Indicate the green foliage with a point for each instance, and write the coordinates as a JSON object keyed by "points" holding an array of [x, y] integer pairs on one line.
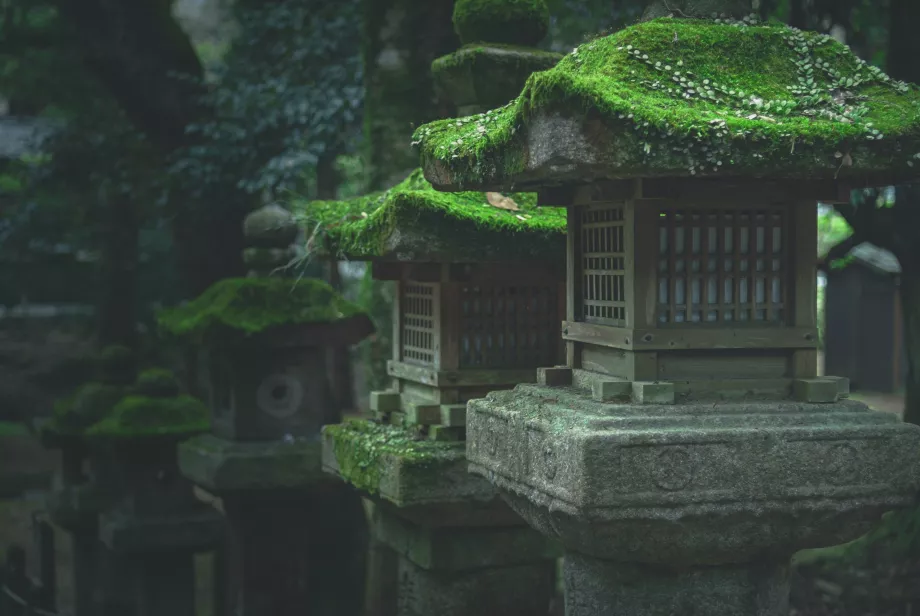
{"points": [[359, 228], [252, 305], [359, 446], [289, 92], [157, 383], [136, 415], [91, 403], [681, 96], [518, 22]]}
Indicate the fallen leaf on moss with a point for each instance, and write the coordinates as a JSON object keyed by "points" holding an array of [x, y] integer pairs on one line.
{"points": [[501, 201]]}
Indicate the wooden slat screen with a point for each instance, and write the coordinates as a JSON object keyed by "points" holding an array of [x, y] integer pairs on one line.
{"points": [[506, 326], [722, 265], [602, 262], [417, 340]]}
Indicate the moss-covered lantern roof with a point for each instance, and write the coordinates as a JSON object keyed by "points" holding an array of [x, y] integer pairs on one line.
{"points": [[688, 97], [235, 308], [414, 222]]}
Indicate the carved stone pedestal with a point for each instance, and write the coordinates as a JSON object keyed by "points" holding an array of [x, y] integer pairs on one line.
{"points": [[690, 508]]}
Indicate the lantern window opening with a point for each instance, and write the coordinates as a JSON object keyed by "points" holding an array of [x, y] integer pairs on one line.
{"points": [[603, 265], [508, 326], [417, 339], [721, 265]]}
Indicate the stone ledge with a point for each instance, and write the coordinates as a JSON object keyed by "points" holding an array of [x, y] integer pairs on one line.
{"points": [[192, 531], [219, 465], [394, 465]]}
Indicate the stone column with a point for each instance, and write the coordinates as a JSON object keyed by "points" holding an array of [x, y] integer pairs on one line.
{"points": [[298, 539]]}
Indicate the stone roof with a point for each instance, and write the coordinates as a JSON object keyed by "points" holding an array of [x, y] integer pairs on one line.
{"points": [[414, 222], [688, 97]]}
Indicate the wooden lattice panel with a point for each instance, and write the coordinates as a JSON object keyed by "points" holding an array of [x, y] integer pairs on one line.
{"points": [[723, 265], [417, 317], [509, 326], [603, 258]]}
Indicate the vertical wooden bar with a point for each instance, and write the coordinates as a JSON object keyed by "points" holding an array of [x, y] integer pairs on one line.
{"points": [[803, 263], [672, 266], [573, 281], [768, 264], [736, 263], [436, 324], [451, 321], [558, 317], [642, 247], [705, 307]]}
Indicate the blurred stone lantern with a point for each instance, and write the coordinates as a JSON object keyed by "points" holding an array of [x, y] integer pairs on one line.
{"points": [[298, 539], [135, 523], [687, 448]]}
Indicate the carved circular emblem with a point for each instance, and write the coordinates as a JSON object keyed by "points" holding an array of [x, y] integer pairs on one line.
{"points": [[550, 463], [279, 395], [673, 470], [842, 467]]}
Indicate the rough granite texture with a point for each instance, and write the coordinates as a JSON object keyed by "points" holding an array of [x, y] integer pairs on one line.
{"points": [[687, 97], [699, 484]]}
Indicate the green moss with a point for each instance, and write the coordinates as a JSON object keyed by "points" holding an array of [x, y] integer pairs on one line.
{"points": [[361, 445], [157, 383], [897, 534], [252, 305], [146, 416], [459, 223], [91, 403], [520, 22], [697, 97]]}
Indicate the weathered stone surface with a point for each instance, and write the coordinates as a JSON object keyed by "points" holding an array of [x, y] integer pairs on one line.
{"points": [[271, 226], [522, 590], [605, 391], [462, 548], [701, 484], [554, 377], [190, 532], [453, 415], [384, 401], [815, 390], [75, 507], [420, 414], [219, 465], [653, 393], [596, 587]]}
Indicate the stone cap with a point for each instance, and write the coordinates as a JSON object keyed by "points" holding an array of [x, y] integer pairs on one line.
{"points": [[692, 483], [514, 22], [414, 222], [237, 310], [269, 234], [689, 98]]}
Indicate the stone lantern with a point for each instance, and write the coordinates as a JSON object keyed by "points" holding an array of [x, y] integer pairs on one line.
{"points": [[135, 522], [687, 448], [478, 287], [297, 538]]}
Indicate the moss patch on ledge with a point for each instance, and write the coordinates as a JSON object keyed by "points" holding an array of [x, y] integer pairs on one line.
{"points": [[413, 214], [361, 445], [687, 97], [251, 305]]}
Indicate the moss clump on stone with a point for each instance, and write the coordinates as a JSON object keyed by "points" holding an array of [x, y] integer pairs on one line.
{"points": [[360, 447], [519, 22], [461, 224], [88, 405], [246, 306], [687, 97], [157, 383], [135, 416]]}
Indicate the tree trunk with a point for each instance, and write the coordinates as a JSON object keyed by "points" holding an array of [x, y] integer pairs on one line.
{"points": [[117, 312]]}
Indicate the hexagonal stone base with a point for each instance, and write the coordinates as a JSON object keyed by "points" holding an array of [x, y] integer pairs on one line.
{"points": [[219, 465], [692, 483]]}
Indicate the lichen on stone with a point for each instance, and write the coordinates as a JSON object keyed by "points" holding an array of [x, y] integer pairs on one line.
{"points": [[520, 22], [458, 224], [246, 306], [692, 97], [361, 445]]}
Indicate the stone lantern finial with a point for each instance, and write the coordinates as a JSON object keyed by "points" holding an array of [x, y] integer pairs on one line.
{"points": [[269, 234], [498, 53]]}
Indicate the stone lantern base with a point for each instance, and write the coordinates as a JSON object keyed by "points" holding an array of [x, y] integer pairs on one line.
{"points": [[460, 549], [692, 508]]}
